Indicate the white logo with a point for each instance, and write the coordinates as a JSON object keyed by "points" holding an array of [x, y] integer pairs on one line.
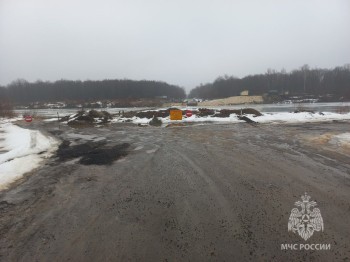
{"points": [[307, 220]]}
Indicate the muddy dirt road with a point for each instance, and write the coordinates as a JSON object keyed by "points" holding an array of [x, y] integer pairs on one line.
{"points": [[182, 193]]}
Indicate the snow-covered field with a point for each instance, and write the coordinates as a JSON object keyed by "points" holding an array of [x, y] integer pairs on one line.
{"points": [[21, 150]]}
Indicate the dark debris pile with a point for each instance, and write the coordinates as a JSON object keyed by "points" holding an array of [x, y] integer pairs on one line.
{"points": [[201, 112], [84, 118]]}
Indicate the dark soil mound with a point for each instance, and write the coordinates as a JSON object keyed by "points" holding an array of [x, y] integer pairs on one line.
{"points": [[83, 118], [155, 122], [304, 110], [100, 114], [86, 118], [129, 114], [251, 111], [160, 113], [245, 111], [95, 114], [247, 119], [64, 119], [227, 112], [201, 112], [205, 112]]}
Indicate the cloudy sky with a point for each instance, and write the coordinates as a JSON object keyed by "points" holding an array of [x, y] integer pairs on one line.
{"points": [[183, 42]]}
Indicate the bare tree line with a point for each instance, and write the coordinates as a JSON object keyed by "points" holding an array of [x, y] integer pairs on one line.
{"points": [[301, 81], [21, 91]]}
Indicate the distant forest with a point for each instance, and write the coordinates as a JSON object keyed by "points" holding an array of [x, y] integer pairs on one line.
{"points": [[302, 81], [21, 91]]}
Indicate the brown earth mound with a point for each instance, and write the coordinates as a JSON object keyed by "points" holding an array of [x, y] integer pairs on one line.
{"points": [[205, 112], [155, 122], [100, 114], [83, 118]]}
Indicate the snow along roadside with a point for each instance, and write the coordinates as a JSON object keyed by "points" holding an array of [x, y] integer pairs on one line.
{"points": [[21, 150], [278, 117]]}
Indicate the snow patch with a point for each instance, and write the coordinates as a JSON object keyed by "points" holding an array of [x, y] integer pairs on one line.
{"points": [[281, 117], [301, 117], [194, 118], [22, 150], [343, 139]]}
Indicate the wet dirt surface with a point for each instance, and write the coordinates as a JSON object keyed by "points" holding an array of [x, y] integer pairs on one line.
{"points": [[212, 192], [92, 153]]}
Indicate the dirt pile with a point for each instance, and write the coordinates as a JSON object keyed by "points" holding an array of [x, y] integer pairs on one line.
{"points": [[245, 111], [159, 113], [100, 114], [226, 113], [251, 111], [64, 118], [83, 118], [129, 114], [204, 112], [304, 111], [247, 119], [201, 112], [155, 122]]}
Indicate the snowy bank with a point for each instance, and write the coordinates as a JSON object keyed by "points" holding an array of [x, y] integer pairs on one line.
{"points": [[21, 150], [301, 117], [200, 115], [281, 117]]}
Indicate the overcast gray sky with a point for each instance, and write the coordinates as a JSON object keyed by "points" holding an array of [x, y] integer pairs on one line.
{"points": [[183, 42]]}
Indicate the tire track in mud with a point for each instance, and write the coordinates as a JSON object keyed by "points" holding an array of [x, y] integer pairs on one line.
{"points": [[239, 174], [239, 207], [223, 181], [216, 192], [201, 213]]}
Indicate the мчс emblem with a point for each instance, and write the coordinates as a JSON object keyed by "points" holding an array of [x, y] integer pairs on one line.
{"points": [[307, 220]]}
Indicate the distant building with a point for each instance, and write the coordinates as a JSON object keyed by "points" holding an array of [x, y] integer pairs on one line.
{"points": [[245, 93]]}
